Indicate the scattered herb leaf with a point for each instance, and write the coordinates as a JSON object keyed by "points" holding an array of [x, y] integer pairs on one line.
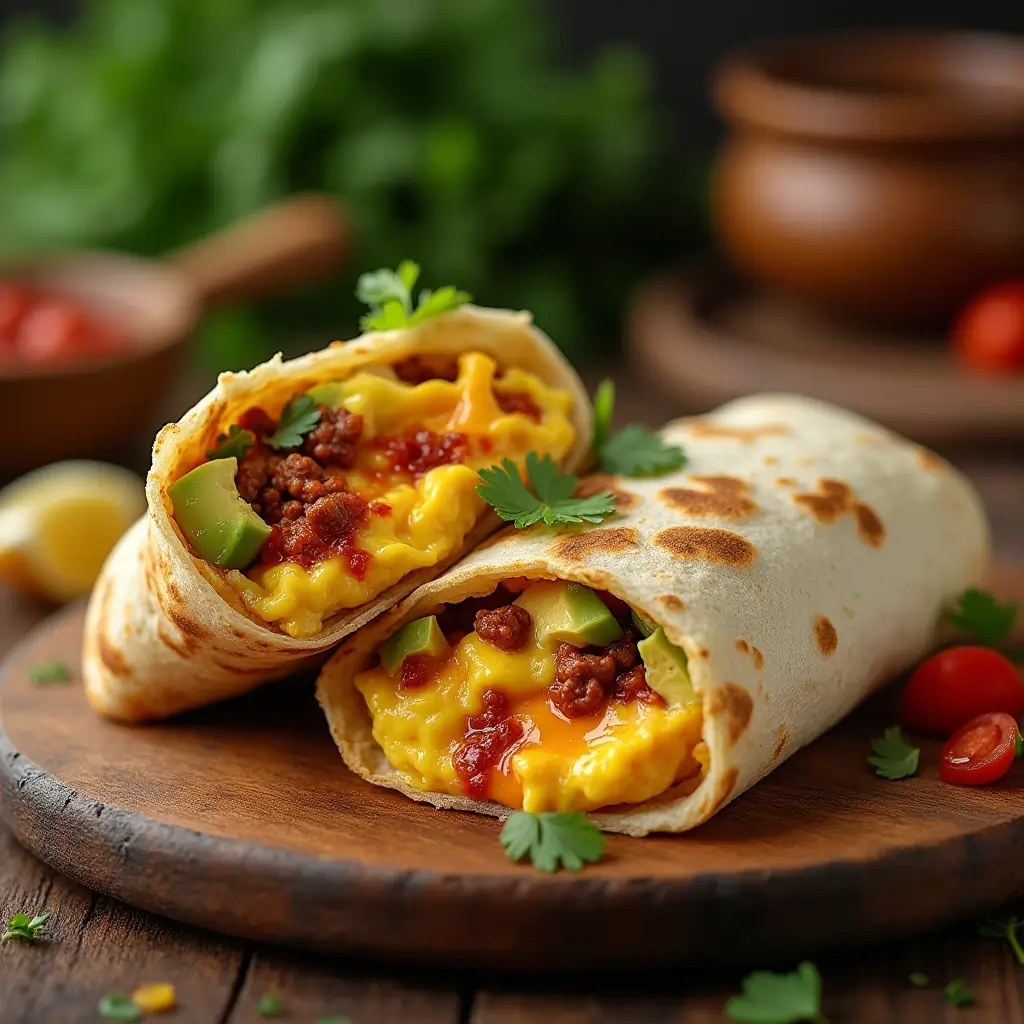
{"points": [[635, 451], [388, 293], [552, 839], [24, 928], [270, 1006], [981, 615], [114, 1007], [232, 445], [958, 994], [919, 980], [49, 672], [298, 418], [551, 500], [1005, 928], [770, 998], [604, 409], [894, 758]]}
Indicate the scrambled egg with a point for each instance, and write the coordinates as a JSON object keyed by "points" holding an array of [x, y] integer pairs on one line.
{"points": [[627, 754], [429, 518]]}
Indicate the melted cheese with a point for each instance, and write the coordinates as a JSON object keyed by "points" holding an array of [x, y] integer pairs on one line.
{"points": [[627, 754], [429, 519]]}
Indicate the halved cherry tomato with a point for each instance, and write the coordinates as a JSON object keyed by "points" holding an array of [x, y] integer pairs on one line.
{"points": [[989, 332], [981, 751], [958, 684]]}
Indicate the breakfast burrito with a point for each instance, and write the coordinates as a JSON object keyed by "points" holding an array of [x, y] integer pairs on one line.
{"points": [[297, 501], [651, 668]]}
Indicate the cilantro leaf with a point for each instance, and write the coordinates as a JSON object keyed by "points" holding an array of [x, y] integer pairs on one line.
{"points": [[635, 451], [770, 998], [919, 979], [604, 409], [894, 758], [232, 445], [979, 614], [958, 994], [298, 418], [1005, 928], [388, 293], [270, 1006], [48, 672], [115, 1007], [24, 928], [551, 499], [551, 839]]}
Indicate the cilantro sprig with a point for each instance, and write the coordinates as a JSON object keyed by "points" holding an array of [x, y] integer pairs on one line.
{"points": [[770, 998], [979, 614], [958, 994], [25, 928], [552, 839], [298, 418], [270, 1006], [919, 979], [46, 673], [232, 445], [1005, 928], [388, 293], [550, 500], [894, 758], [634, 450], [118, 1007]]}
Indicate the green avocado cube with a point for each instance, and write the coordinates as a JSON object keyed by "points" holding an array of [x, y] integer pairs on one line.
{"points": [[569, 613], [219, 525], [421, 636], [666, 669]]}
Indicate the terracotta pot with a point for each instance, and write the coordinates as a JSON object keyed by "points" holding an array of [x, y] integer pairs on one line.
{"points": [[879, 177]]}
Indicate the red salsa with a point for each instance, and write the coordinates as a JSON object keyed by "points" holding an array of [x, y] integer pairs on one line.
{"points": [[490, 737]]}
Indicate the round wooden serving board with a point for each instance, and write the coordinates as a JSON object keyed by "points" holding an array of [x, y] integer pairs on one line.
{"points": [[242, 819]]}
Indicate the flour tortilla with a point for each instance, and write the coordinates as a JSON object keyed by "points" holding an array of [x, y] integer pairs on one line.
{"points": [[164, 631], [791, 609]]}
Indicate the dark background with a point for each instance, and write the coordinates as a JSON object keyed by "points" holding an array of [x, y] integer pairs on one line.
{"points": [[684, 38]]}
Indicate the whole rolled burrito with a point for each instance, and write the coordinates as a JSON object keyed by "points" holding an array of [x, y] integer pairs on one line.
{"points": [[359, 509], [802, 557]]}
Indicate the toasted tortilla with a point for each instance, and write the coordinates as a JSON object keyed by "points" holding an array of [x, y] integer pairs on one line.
{"points": [[165, 632], [801, 558]]}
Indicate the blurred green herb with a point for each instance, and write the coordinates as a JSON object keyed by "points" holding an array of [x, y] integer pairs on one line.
{"points": [[980, 615], [388, 293], [447, 128], [48, 672], [115, 1007], [270, 1006], [894, 757], [22, 927], [1005, 928], [959, 995], [919, 979]]}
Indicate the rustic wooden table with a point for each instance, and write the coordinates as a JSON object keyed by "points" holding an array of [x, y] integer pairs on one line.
{"points": [[94, 945]]}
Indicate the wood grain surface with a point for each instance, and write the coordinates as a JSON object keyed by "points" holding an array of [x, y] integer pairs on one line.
{"points": [[243, 819]]}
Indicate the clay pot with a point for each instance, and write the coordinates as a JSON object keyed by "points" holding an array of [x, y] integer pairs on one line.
{"points": [[881, 178]]}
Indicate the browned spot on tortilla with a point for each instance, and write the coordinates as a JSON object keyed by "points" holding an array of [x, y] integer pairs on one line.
{"points": [[591, 485], [742, 646], [725, 787], [575, 547], [721, 547], [735, 707], [834, 499], [661, 575], [186, 624], [672, 602], [804, 461], [932, 462], [238, 633], [758, 658], [745, 435], [228, 667], [703, 652], [111, 657], [723, 496], [770, 460], [870, 528], [781, 742], [785, 481], [825, 636], [169, 641]]}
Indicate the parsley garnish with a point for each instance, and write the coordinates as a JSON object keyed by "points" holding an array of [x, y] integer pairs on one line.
{"points": [[333, 1020], [47, 672], [894, 758], [23, 927], [270, 1006], [388, 293], [770, 998], [919, 980], [298, 418], [114, 1007], [979, 614], [634, 450], [551, 500], [1005, 928], [552, 838], [958, 994], [232, 445]]}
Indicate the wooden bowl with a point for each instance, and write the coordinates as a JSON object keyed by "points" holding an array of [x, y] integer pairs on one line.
{"points": [[880, 178], [89, 408]]}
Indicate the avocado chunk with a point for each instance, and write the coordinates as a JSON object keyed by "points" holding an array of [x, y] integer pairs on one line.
{"points": [[569, 613], [666, 669], [646, 628], [221, 527], [421, 636]]}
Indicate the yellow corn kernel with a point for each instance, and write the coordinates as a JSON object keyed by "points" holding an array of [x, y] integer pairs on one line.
{"points": [[157, 998]]}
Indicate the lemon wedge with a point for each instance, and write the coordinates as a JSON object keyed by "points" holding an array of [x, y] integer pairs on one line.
{"points": [[59, 523]]}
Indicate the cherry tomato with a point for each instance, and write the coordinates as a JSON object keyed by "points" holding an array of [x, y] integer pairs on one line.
{"points": [[981, 751], [989, 333], [53, 329], [958, 684], [15, 300]]}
